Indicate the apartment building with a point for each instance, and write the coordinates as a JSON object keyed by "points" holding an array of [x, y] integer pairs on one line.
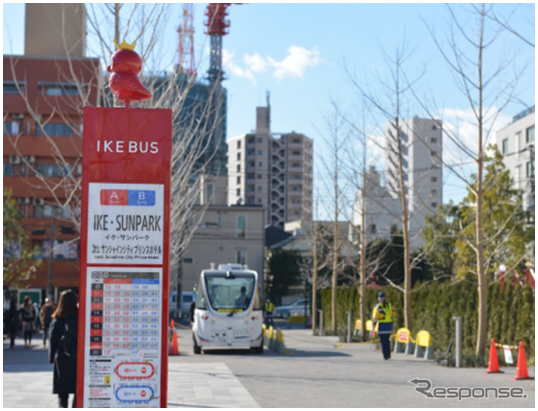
{"points": [[272, 170], [422, 149], [43, 98], [226, 234], [516, 144]]}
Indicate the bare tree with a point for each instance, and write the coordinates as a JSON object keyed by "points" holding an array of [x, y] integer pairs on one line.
{"points": [[391, 102], [488, 88], [194, 120]]}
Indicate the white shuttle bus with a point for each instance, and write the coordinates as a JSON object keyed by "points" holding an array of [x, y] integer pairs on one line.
{"points": [[228, 312]]}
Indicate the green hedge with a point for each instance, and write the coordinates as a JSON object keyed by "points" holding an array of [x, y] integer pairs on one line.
{"points": [[510, 312]]}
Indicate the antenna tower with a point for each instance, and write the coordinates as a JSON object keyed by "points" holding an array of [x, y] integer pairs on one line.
{"points": [[186, 40]]}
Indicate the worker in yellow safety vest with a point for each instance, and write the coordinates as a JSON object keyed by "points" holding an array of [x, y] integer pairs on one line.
{"points": [[269, 309], [382, 317]]}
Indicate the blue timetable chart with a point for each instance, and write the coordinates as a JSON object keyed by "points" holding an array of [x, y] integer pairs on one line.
{"points": [[123, 333]]}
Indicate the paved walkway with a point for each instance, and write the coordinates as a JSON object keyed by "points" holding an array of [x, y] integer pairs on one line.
{"points": [[27, 382], [319, 373]]}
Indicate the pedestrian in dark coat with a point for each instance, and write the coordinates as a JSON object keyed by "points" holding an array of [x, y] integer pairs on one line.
{"points": [[45, 315], [62, 338], [28, 315], [12, 322]]}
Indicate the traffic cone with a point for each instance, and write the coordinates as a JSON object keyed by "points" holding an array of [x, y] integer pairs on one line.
{"points": [[521, 372], [172, 324], [174, 349], [493, 364]]}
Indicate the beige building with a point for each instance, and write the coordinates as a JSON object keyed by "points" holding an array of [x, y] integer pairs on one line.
{"points": [[516, 144], [55, 29], [272, 170], [226, 234]]}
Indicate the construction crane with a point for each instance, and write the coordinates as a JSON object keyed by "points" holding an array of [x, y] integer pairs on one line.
{"points": [[217, 26], [186, 40]]}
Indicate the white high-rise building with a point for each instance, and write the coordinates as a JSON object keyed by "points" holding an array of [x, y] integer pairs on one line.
{"points": [[273, 170], [516, 144], [422, 148]]}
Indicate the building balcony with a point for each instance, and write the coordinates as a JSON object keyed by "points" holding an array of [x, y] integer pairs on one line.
{"points": [[40, 146]]}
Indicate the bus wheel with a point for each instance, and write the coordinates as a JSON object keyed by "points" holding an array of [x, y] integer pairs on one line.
{"points": [[195, 347], [258, 350]]}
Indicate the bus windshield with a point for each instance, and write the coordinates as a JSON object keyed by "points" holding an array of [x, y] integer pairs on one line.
{"points": [[230, 293]]}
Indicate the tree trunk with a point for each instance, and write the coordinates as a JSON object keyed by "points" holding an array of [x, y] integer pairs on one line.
{"points": [[314, 279], [482, 285], [335, 256], [405, 229], [362, 239]]}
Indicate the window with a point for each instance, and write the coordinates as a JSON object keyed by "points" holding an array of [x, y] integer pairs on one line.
{"points": [[295, 201], [9, 170], [259, 188], [188, 260], [10, 87], [530, 169], [54, 129], [241, 226], [296, 188], [250, 140], [251, 152], [238, 180], [239, 168], [296, 140], [433, 140], [250, 200], [259, 152], [241, 257], [434, 153], [238, 192], [250, 176], [258, 176], [296, 165], [238, 156], [295, 176], [58, 89], [239, 144], [434, 192], [259, 200], [50, 210], [434, 179], [434, 127], [530, 134], [250, 164], [53, 170], [11, 128], [505, 146], [296, 153], [434, 205], [259, 164], [518, 176], [20, 170], [519, 140]]}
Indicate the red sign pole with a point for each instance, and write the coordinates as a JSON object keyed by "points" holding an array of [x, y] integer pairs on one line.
{"points": [[125, 253]]}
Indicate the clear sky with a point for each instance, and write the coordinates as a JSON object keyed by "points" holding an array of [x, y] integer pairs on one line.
{"points": [[297, 53]]}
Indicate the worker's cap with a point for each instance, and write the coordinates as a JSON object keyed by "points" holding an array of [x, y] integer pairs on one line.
{"points": [[381, 295]]}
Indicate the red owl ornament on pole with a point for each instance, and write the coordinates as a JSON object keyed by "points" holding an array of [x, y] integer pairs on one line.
{"points": [[125, 65]]}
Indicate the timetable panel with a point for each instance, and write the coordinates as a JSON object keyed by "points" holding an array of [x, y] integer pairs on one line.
{"points": [[123, 329]]}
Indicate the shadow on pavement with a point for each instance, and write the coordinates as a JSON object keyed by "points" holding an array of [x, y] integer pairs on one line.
{"points": [[23, 359], [293, 352]]}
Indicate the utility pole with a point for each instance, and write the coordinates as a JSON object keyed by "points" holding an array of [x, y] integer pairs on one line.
{"points": [[50, 288]]}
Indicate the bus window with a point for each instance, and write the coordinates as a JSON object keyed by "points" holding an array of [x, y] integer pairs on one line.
{"points": [[230, 293]]}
